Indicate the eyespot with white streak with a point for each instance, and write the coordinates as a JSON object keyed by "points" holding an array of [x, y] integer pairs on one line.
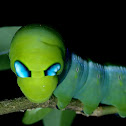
{"points": [[21, 70], [52, 70]]}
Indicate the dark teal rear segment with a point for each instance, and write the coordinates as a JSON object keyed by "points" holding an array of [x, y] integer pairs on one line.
{"points": [[66, 89], [92, 84], [91, 92], [84, 81], [116, 88]]}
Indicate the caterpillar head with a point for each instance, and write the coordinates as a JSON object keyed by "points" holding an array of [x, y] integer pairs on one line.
{"points": [[37, 57]]}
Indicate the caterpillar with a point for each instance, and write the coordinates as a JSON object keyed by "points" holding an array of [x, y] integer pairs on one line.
{"points": [[44, 66]]}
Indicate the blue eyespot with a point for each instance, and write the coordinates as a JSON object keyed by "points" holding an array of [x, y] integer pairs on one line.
{"points": [[21, 69], [51, 71]]}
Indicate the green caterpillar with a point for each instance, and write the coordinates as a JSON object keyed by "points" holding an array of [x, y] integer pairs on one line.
{"points": [[44, 67]]}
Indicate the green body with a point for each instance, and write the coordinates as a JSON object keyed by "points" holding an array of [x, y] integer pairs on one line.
{"points": [[39, 47], [92, 84]]}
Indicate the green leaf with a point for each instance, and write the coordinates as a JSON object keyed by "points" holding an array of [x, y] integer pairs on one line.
{"points": [[6, 35], [4, 62], [59, 118], [35, 115]]}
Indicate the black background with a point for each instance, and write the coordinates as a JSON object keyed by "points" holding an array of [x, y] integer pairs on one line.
{"points": [[97, 36]]}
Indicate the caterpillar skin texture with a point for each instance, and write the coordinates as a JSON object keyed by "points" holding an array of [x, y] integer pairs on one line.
{"points": [[38, 58]]}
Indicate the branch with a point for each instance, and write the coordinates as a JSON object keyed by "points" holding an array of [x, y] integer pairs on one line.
{"points": [[22, 104]]}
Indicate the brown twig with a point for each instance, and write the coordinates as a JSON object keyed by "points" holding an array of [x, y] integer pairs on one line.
{"points": [[22, 104]]}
